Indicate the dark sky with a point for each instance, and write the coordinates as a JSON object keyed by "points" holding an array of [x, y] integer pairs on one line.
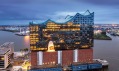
{"points": [[14, 11]]}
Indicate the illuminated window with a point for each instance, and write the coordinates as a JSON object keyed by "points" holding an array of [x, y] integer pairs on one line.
{"points": [[1, 57]]}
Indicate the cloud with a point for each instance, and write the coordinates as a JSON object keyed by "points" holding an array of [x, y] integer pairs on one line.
{"points": [[65, 13], [54, 9], [102, 2]]}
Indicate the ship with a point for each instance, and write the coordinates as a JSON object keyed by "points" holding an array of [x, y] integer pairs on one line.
{"points": [[23, 33]]}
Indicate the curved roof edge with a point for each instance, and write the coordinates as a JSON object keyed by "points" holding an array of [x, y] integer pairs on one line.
{"points": [[87, 13]]}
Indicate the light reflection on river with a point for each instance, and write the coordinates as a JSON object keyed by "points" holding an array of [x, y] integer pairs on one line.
{"points": [[20, 41], [103, 49], [26, 40]]}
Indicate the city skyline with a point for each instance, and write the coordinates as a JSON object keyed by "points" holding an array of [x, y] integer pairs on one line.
{"points": [[106, 12]]}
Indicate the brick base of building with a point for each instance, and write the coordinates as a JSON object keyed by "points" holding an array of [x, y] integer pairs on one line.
{"points": [[50, 58], [66, 57], [85, 55], [33, 58]]}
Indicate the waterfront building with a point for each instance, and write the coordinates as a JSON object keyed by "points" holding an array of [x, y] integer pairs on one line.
{"points": [[74, 33], [66, 43], [6, 52]]}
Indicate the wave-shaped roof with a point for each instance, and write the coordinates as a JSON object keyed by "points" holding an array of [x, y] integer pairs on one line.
{"points": [[68, 18]]}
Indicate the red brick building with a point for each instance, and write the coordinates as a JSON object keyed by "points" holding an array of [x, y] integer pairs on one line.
{"points": [[63, 58]]}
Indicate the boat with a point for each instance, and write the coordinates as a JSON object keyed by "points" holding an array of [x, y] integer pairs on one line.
{"points": [[22, 33], [102, 61], [113, 34]]}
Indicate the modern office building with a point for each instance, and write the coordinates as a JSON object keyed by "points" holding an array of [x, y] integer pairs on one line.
{"points": [[62, 43], [6, 50]]}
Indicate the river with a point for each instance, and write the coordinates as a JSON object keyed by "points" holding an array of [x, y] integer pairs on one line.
{"points": [[109, 50], [20, 42], [103, 49]]}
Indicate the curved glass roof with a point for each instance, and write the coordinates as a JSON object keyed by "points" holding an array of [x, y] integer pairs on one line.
{"points": [[68, 18]]}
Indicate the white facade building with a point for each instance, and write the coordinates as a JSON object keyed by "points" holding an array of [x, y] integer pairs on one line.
{"points": [[6, 51]]}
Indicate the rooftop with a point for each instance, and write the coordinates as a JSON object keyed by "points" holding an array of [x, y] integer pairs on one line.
{"points": [[63, 20], [5, 47]]}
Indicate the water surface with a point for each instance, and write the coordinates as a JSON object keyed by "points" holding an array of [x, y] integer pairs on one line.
{"points": [[109, 50], [19, 41], [103, 49]]}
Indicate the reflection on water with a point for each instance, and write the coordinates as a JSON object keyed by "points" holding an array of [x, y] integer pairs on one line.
{"points": [[26, 40], [20, 41]]}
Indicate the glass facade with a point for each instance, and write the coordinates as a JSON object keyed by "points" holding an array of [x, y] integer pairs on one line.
{"points": [[76, 33]]}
